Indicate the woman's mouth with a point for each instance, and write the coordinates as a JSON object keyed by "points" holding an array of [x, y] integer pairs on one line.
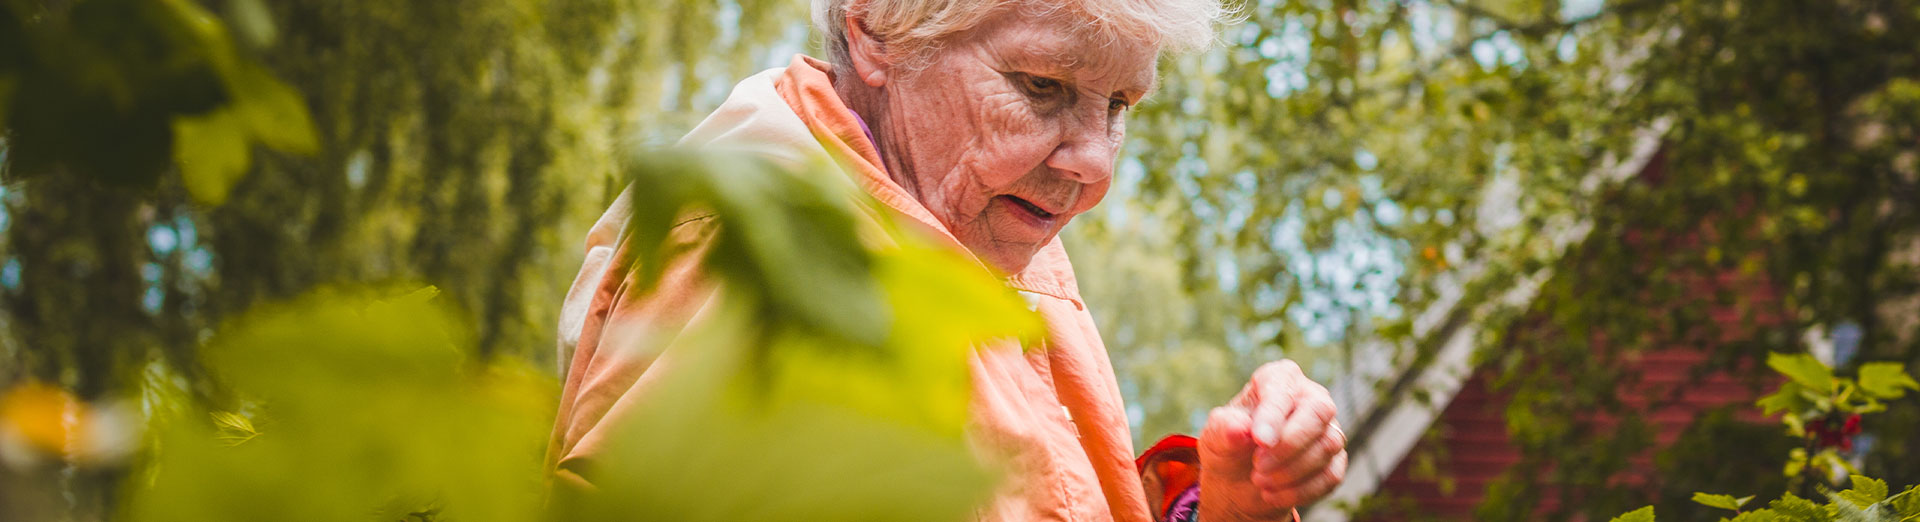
{"points": [[1030, 207], [1038, 219]]}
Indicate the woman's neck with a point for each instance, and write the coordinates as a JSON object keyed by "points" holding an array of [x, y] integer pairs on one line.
{"points": [[869, 105]]}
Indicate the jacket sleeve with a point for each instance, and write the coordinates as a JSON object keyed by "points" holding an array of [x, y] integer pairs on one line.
{"points": [[611, 330]]}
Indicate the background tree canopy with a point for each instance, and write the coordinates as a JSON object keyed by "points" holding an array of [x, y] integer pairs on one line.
{"points": [[1310, 188]]}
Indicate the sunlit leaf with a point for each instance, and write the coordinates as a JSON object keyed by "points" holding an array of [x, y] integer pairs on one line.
{"points": [[823, 447], [799, 396], [213, 153], [252, 20], [1886, 380], [1644, 514], [1907, 503], [234, 428], [1758, 515], [1803, 369], [1866, 491], [1787, 399], [274, 114], [1796, 460], [372, 408], [786, 235], [1726, 502], [1797, 508]]}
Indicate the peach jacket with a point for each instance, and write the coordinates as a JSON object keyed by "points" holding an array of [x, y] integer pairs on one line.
{"points": [[1054, 413]]}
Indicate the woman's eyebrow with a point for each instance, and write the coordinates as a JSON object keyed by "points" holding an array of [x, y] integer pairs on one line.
{"points": [[1065, 65], [1051, 63], [1144, 86]]}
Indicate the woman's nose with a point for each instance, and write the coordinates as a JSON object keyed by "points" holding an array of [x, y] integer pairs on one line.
{"points": [[1088, 145]]}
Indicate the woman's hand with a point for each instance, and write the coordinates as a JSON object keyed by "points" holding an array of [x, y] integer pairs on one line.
{"points": [[1276, 446]]}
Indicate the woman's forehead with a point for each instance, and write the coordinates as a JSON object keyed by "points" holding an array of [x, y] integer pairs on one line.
{"points": [[1048, 44]]}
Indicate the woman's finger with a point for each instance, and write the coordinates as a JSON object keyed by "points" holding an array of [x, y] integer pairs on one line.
{"points": [[1313, 411], [1274, 386], [1226, 442], [1313, 458], [1311, 488]]}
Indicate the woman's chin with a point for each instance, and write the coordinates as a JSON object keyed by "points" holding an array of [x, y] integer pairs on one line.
{"points": [[1008, 258], [1007, 238]]}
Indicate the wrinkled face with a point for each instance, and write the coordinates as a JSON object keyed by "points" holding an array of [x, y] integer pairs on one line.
{"points": [[1011, 129]]}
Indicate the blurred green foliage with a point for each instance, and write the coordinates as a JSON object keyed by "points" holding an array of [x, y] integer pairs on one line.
{"points": [[469, 144], [791, 239], [113, 89], [1334, 170], [345, 407], [368, 404], [808, 429]]}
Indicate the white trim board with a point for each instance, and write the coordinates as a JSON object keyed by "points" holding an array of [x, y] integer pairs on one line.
{"points": [[1385, 437]]}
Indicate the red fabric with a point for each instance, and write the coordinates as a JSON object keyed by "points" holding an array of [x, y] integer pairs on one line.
{"points": [[1167, 469]]}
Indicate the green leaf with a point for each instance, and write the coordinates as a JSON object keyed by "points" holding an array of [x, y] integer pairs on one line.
{"points": [[1644, 514], [1726, 502], [1799, 509], [791, 238], [214, 149], [1866, 491], [1870, 406], [1796, 426], [1803, 369], [417, 296], [1796, 461], [212, 152], [1759, 515], [1886, 380], [1787, 399], [1907, 503], [904, 410], [274, 113], [1848, 510], [252, 21], [234, 428], [348, 384]]}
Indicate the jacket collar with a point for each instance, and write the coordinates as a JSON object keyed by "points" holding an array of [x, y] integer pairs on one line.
{"points": [[807, 87]]}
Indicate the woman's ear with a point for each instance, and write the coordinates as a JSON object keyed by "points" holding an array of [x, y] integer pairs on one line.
{"points": [[869, 55]]}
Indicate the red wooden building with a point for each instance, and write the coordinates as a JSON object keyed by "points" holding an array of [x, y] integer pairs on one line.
{"points": [[1429, 446]]}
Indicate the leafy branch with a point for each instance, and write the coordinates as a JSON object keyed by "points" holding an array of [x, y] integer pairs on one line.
{"points": [[1825, 410]]}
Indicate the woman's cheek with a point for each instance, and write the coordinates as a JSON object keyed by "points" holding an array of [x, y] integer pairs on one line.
{"points": [[1019, 136], [999, 160], [1091, 196], [967, 198]]}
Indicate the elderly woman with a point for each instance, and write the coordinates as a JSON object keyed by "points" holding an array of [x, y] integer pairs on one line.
{"points": [[994, 123]]}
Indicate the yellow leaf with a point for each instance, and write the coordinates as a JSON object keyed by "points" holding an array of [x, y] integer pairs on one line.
{"points": [[38, 413], [1644, 514], [234, 428], [1886, 380], [1804, 369], [273, 113], [212, 152], [1726, 502]]}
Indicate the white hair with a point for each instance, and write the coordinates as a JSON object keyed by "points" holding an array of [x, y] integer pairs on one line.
{"points": [[913, 29]]}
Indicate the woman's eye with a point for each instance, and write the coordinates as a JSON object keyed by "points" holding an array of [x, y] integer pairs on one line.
{"points": [[1042, 85], [1116, 104]]}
